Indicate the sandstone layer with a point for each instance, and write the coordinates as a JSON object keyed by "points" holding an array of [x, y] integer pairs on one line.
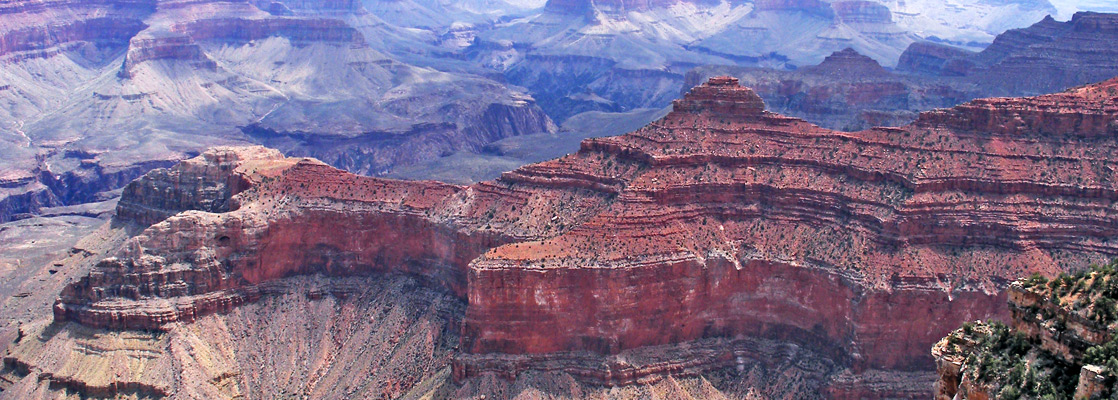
{"points": [[720, 221]]}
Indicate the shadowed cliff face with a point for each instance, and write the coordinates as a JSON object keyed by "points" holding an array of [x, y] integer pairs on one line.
{"points": [[851, 91], [1065, 54], [669, 251]]}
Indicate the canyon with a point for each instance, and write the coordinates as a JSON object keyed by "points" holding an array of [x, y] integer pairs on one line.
{"points": [[851, 91], [847, 91], [722, 250], [576, 55], [98, 93], [101, 92]]}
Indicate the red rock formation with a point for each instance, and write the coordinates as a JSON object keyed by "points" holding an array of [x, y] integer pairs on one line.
{"points": [[206, 183], [1084, 112], [720, 220]]}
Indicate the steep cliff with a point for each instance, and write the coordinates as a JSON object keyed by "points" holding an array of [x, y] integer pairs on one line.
{"points": [[1065, 54], [735, 229], [688, 247], [1059, 344]]}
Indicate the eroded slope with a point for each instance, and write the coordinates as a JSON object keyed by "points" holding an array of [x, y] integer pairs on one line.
{"points": [[669, 251]]}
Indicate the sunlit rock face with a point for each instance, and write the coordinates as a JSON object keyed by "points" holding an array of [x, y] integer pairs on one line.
{"points": [[669, 251]]}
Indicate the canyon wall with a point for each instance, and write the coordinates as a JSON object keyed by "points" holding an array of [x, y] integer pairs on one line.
{"points": [[1059, 342], [847, 91], [1065, 54], [665, 252], [716, 226], [190, 75], [851, 91]]}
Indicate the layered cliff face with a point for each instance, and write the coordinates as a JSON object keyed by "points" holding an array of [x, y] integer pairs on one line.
{"points": [[847, 91], [102, 92], [357, 337], [735, 231], [36, 29], [1059, 343], [206, 183], [696, 246], [850, 91], [1066, 54], [580, 56]]}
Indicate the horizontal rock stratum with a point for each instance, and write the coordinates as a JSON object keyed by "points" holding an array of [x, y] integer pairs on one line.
{"points": [[719, 221]]}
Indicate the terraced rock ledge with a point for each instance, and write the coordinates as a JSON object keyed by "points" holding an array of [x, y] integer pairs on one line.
{"points": [[665, 253]]}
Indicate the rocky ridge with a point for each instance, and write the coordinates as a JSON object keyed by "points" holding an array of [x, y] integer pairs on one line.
{"points": [[850, 91], [1066, 54], [847, 91], [1059, 342], [863, 247]]}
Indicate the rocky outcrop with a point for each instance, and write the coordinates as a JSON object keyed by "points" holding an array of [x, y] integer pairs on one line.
{"points": [[1060, 342], [1084, 113], [848, 63], [206, 183], [178, 48], [847, 91], [1065, 54], [720, 221], [230, 254], [26, 194], [608, 264]]}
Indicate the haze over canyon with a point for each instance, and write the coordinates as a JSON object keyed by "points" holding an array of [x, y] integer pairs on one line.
{"points": [[548, 199]]}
